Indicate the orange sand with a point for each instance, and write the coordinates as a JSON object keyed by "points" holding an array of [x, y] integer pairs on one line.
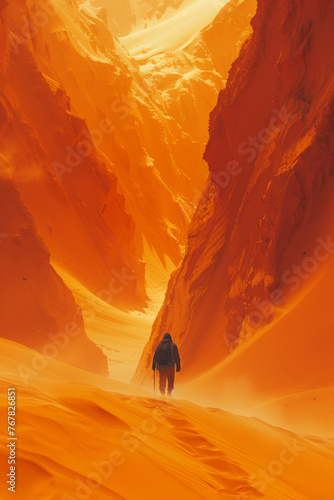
{"points": [[72, 426]]}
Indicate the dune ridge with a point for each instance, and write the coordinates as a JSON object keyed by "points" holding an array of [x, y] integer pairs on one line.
{"points": [[92, 438]]}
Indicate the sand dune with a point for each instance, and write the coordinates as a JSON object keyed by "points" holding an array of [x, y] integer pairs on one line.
{"points": [[79, 440], [285, 373], [176, 32]]}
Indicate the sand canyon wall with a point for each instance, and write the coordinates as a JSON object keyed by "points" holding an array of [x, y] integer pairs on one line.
{"points": [[261, 237]]}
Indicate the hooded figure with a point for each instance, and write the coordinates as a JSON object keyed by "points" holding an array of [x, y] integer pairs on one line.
{"points": [[165, 358]]}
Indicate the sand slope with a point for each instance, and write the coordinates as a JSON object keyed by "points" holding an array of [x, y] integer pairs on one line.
{"points": [[285, 373], [78, 438]]}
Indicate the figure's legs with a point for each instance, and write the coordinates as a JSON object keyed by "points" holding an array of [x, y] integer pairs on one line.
{"points": [[162, 381], [170, 377]]}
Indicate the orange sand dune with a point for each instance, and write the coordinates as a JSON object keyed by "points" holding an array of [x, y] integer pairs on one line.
{"points": [[285, 373], [78, 437], [175, 32]]}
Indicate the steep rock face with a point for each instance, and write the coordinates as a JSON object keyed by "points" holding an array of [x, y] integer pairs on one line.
{"points": [[224, 37], [155, 116], [37, 309], [106, 86], [183, 84], [261, 235], [65, 181], [191, 78]]}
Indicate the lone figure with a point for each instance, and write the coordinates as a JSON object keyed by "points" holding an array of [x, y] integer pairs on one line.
{"points": [[165, 358]]}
